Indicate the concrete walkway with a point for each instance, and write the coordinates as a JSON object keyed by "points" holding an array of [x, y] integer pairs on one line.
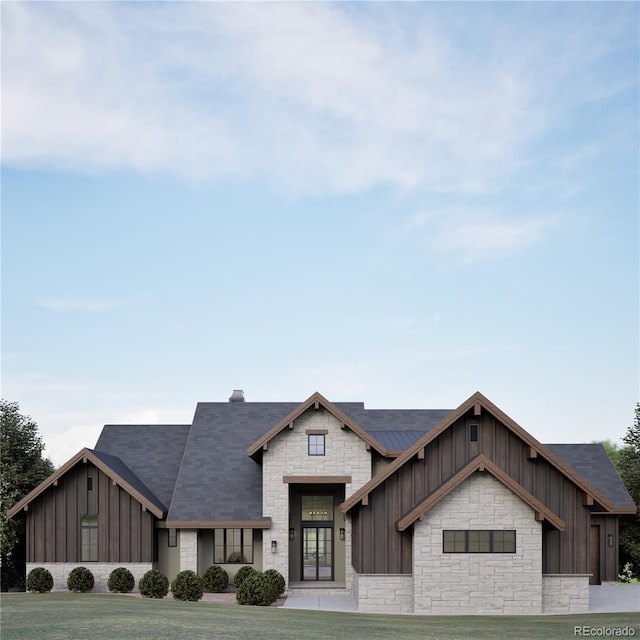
{"points": [[602, 599], [612, 598]]}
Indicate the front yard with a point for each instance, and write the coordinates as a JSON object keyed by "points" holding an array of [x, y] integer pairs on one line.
{"points": [[102, 617]]}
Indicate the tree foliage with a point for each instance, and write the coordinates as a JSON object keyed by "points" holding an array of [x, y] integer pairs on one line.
{"points": [[22, 468], [629, 467]]}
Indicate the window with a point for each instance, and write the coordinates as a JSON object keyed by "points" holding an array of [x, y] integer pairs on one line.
{"points": [[479, 541], [173, 538], [473, 433], [316, 445], [233, 546], [317, 508], [89, 538], [89, 483]]}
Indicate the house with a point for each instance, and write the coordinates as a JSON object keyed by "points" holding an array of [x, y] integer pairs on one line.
{"points": [[413, 511]]}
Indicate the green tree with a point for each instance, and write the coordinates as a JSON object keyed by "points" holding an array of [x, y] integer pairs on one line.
{"points": [[629, 466], [22, 468], [613, 451]]}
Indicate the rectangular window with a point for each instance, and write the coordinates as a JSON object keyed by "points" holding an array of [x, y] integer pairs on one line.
{"points": [[173, 538], [233, 546], [479, 541], [316, 508], [316, 445], [89, 538], [89, 484], [473, 433]]}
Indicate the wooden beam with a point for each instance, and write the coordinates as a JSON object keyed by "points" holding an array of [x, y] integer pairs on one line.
{"points": [[421, 454], [316, 479], [316, 405], [56, 482], [265, 446], [532, 454], [365, 500], [84, 460], [539, 516], [587, 500], [477, 409], [290, 425]]}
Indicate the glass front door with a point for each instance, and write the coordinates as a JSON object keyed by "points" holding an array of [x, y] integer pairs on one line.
{"points": [[317, 553]]}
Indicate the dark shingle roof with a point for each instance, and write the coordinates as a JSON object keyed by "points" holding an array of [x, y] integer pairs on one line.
{"points": [[120, 468], [201, 472], [152, 452], [593, 464]]}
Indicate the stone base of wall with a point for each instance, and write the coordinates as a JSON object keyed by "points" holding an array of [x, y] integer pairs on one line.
{"points": [[377, 593], [565, 593], [100, 570]]}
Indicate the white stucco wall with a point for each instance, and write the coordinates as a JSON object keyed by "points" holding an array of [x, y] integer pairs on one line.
{"points": [[100, 570], [478, 583], [287, 455]]}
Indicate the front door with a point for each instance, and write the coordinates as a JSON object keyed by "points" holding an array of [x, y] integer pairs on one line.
{"points": [[317, 537], [317, 553]]}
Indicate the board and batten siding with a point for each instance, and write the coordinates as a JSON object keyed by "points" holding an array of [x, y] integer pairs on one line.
{"points": [[379, 548], [125, 530]]}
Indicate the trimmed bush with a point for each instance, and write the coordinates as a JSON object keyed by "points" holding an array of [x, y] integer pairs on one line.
{"points": [[242, 573], [215, 579], [154, 584], [276, 579], [121, 580], [187, 585], [256, 589], [39, 580], [80, 580]]}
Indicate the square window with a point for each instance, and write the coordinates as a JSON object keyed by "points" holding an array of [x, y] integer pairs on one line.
{"points": [[316, 445]]}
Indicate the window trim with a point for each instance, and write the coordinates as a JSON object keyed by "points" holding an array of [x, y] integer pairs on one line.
{"points": [[492, 541], [314, 446]]}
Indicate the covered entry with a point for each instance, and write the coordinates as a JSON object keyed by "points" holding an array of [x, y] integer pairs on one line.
{"points": [[316, 534]]}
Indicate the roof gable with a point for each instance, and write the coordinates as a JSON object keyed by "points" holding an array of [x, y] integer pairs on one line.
{"points": [[113, 467], [316, 400], [477, 402], [481, 464]]}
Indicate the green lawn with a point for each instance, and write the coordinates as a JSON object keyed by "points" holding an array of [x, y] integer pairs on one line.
{"points": [[98, 617]]}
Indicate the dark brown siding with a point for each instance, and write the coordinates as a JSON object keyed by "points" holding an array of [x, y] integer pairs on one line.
{"points": [[53, 520], [376, 543]]}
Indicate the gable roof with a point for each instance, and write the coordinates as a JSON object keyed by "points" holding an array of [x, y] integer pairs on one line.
{"points": [[481, 463], [477, 402], [153, 452], [315, 400], [594, 465], [113, 467]]}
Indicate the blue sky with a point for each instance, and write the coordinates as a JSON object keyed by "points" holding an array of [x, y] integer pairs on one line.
{"points": [[398, 204]]}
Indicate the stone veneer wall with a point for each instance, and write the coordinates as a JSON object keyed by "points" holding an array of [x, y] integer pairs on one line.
{"points": [[287, 454], [565, 593], [478, 583], [378, 593], [189, 550], [100, 570]]}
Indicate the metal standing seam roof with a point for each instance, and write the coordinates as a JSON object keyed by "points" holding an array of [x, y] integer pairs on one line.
{"points": [[201, 472]]}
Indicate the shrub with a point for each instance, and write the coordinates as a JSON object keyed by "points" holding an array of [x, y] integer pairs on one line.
{"points": [[625, 577], [154, 584], [80, 580], [241, 574], [187, 585], [215, 579], [256, 589], [121, 581], [39, 580], [277, 582]]}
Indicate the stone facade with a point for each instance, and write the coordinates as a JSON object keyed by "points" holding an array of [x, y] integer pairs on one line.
{"points": [[100, 570], [188, 550], [383, 593], [287, 454], [478, 583], [562, 593]]}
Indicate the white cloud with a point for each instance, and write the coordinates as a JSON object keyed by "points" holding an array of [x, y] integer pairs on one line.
{"points": [[311, 97], [87, 304], [472, 235]]}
